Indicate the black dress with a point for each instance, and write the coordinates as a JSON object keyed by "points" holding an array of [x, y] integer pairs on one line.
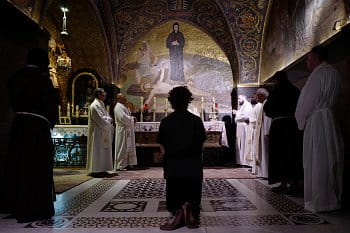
{"points": [[182, 134], [285, 139], [28, 175]]}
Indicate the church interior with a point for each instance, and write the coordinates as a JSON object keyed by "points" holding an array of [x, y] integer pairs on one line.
{"points": [[230, 48]]}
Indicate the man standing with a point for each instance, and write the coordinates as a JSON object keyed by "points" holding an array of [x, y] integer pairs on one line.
{"points": [[29, 164], [99, 145], [242, 121], [125, 148], [175, 43], [323, 145], [285, 140], [261, 132]]}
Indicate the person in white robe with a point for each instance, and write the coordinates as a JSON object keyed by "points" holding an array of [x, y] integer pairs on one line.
{"points": [[248, 156], [125, 147], [323, 144], [260, 140], [242, 121], [99, 140]]}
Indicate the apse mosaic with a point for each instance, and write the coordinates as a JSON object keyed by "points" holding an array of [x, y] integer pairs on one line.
{"points": [[136, 19], [297, 26], [153, 68]]}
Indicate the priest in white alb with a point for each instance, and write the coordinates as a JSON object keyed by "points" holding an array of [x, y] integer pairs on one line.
{"points": [[125, 147], [261, 131], [99, 140], [323, 144], [242, 121]]}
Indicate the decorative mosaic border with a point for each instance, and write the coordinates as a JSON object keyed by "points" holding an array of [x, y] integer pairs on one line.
{"points": [[155, 188], [279, 202], [136, 222], [84, 199]]}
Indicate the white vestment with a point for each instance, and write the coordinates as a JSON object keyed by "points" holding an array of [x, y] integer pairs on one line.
{"points": [[243, 112], [260, 144], [99, 140], [323, 153], [125, 148]]}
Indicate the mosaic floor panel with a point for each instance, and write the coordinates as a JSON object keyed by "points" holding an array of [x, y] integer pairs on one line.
{"points": [[155, 188], [141, 203]]}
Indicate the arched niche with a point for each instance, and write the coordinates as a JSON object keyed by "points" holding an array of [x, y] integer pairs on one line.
{"points": [[81, 86]]}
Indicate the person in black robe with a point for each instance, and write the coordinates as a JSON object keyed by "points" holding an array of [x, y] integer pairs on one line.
{"points": [[285, 139], [175, 43], [28, 175], [181, 136]]}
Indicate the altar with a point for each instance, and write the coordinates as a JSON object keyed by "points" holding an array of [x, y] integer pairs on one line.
{"points": [[70, 142], [146, 134]]}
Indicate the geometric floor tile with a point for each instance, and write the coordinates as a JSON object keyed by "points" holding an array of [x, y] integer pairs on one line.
{"points": [[237, 204], [162, 207], [277, 201], [139, 222], [55, 222], [305, 219], [155, 188], [77, 204], [125, 206]]}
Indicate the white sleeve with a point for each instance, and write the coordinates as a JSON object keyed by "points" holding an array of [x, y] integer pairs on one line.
{"points": [[308, 98], [121, 116], [98, 117]]}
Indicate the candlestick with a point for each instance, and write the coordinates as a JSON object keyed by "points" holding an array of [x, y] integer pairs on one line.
{"points": [[141, 103], [72, 107], [59, 110], [213, 104], [202, 107], [107, 109], [166, 107], [155, 103], [141, 109], [68, 110], [154, 108], [77, 110]]}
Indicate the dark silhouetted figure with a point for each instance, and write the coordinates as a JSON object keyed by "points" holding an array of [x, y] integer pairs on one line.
{"points": [[285, 140], [181, 136], [29, 188]]}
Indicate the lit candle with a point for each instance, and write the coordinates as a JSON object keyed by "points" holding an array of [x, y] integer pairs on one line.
{"points": [[141, 104], [154, 103], [77, 110], [73, 110], [166, 106], [202, 107], [213, 103], [68, 110], [154, 108], [141, 109], [59, 110]]}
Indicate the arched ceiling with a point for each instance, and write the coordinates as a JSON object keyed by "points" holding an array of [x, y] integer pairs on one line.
{"points": [[237, 26], [102, 32]]}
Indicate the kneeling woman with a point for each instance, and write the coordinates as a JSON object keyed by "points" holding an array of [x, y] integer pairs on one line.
{"points": [[181, 136]]}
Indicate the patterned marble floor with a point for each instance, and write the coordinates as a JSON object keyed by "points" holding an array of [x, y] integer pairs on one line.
{"points": [[228, 205]]}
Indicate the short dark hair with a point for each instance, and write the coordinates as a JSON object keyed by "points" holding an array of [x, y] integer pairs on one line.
{"points": [[98, 91], [39, 57], [180, 97], [176, 23], [321, 52]]}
